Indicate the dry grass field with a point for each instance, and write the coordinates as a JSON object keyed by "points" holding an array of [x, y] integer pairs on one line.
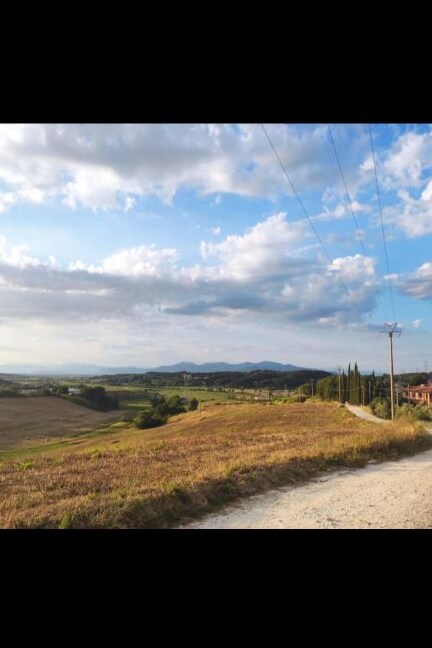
{"points": [[24, 421], [191, 466]]}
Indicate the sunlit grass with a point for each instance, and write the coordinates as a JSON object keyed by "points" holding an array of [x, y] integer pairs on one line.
{"points": [[124, 477]]}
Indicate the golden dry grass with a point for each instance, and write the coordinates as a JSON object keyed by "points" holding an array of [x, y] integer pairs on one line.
{"points": [[194, 464]]}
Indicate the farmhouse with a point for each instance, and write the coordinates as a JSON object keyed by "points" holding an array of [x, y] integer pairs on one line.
{"points": [[422, 394]]}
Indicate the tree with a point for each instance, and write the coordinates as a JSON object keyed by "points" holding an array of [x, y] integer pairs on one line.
{"points": [[149, 419], [175, 405], [193, 404], [305, 389], [328, 388]]}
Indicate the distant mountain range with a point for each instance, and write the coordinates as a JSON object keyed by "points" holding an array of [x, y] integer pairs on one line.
{"points": [[210, 367], [75, 369]]}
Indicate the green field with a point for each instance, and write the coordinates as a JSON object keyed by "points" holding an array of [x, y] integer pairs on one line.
{"points": [[133, 397]]}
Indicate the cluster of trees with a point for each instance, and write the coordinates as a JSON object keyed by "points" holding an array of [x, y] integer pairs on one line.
{"points": [[162, 408], [358, 389], [260, 379], [96, 398], [60, 389], [353, 387]]}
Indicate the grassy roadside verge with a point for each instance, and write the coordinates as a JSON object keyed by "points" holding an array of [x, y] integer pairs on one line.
{"points": [[192, 466]]}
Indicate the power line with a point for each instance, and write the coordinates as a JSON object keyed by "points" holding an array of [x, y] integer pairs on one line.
{"points": [[350, 204], [382, 224], [346, 191], [341, 281]]}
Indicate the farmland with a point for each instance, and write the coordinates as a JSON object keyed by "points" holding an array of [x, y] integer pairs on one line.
{"points": [[30, 420], [133, 398], [124, 477]]}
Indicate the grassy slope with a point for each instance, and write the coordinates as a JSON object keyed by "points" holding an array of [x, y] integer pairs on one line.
{"points": [[194, 464], [29, 420]]}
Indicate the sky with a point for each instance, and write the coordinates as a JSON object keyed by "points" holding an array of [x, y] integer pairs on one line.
{"points": [[150, 244]]}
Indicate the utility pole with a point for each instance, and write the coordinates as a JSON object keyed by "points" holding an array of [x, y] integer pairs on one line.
{"points": [[312, 382], [339, 368], [186, 379], [391, 329], [369, 391]]}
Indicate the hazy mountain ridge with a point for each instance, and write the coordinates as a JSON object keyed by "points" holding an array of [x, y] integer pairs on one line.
{"points": [[209, 367], [75, 369]]}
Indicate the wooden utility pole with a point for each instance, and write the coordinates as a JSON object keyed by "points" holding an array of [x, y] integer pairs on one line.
{"points": [[312, 382], [339, 370], [391, 329]]}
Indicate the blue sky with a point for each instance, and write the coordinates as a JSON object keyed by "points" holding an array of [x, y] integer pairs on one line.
{"points": [[151, 244]]}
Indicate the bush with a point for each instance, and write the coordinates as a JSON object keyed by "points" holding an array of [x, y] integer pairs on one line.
{"points": [[149, 419], [381, 407], [290, 400], [416, 412], [193, 404], [161, 409], [175, 405], [155, 398], [60, 389]]}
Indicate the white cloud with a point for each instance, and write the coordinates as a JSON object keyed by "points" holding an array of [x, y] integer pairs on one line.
{"points": [[407, 159], [107, 166], [341, 210], [216, 230], [16, 256], [7, 199], [419, 283], [416, 323], [265, 249], [263, 271], [145, 260], [412, 216]]}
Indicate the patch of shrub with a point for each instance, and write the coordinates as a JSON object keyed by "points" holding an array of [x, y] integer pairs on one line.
{"points": [[193, 404], [175, 405], [381, 407], [415, 412], [149, 419]]}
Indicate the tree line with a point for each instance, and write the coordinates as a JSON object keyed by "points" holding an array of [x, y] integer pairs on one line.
{"points": [[258, 379], [358, 389]]}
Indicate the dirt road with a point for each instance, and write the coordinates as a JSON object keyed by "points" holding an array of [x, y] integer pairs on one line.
{"points": [[395, 495], [358, 411]]}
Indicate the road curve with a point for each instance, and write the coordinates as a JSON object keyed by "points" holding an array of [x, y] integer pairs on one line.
{"points": [[391, 495]]}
